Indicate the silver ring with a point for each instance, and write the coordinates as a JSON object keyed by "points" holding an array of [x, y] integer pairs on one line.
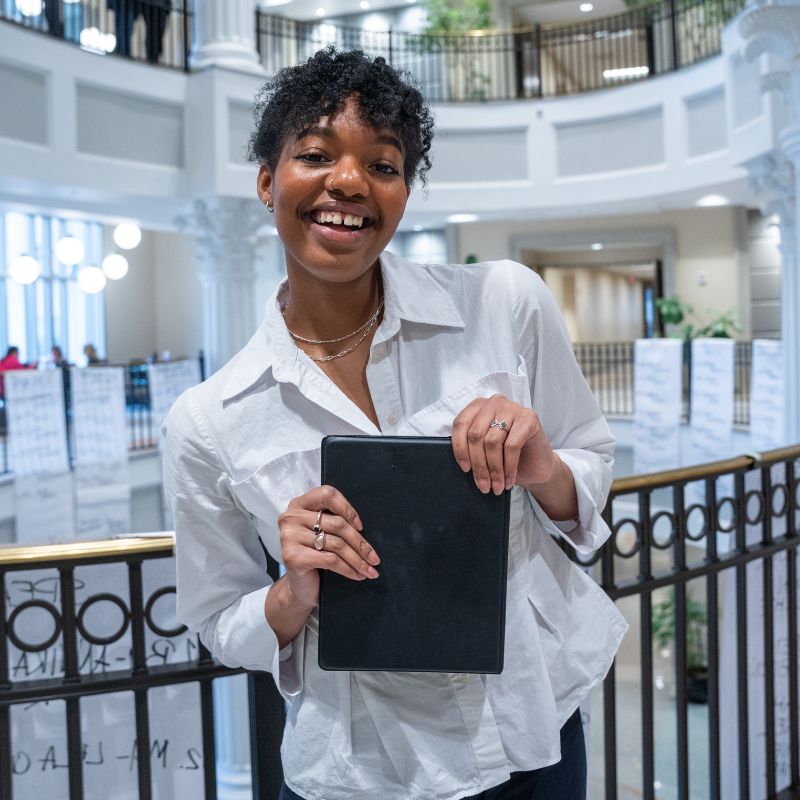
{"points": [[499, 423], [316, 527], [319, 541]]}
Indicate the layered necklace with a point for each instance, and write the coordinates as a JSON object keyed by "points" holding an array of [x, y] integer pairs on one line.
{"points": [[364, 331]]}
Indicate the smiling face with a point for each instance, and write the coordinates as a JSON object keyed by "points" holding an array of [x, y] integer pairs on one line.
{"points": [[338, 193]]}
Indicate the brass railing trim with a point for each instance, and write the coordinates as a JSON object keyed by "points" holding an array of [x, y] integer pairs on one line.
{"points": [[95, 548], [701, 471], [133, 545]]}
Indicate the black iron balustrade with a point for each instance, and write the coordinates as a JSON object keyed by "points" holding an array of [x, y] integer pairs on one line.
{"points": [[609, 370], [153, 31], [724, 536], [542, 61], [69, 680]]}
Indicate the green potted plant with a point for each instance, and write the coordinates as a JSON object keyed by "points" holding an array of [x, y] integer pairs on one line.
{"points": [[674, 313], [663, 627]]}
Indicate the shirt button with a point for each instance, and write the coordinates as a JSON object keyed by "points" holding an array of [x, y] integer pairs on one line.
{"points": [[392, 419]]}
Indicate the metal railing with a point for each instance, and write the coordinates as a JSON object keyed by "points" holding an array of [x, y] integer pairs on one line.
{"points": [[718, 543], [154, 31], [609, 370], [542, 61], [733, 552]]}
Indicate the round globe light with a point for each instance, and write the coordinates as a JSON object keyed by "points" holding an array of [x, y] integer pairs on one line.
{"points": [[115, 266], [29, 8], [70, 250], [127, 235], [25, 269], [92, 280]]}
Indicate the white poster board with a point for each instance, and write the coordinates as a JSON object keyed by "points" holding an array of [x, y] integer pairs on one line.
{"points": [[658, 404], [711, 421], [168, 382], [766, 395], [37, 428], [37, 448], [102, 487]]}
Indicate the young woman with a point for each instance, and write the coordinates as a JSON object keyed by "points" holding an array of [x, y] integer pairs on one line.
{"points": [[356, 340]]}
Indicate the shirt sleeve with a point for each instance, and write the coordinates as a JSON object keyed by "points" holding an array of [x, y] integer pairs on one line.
{"points": [[222, 580], [570, 415]]}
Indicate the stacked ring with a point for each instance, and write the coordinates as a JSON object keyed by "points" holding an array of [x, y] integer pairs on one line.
{"points": [[319, 539], [499, 423]]}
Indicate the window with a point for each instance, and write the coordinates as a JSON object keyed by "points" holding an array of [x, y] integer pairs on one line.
{"points": [[52, 310]]}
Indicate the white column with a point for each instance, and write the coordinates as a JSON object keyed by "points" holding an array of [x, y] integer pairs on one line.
{"points": [[228, 233], [225, 35], [775, 29], [232, 734]]}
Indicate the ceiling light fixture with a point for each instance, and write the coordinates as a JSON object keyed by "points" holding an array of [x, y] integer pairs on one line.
{"points": [[418, 228], [625, 72], [456, 218], [586, 7], [70, 250], [596, 245], [115, 266], [320, 12], [712, 200], [92, 280], [127, 235], [25, 269], [364, 4], [29, 8]]}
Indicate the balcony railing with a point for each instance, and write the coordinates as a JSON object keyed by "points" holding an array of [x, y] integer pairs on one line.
{"points": [[542, 61], [608, 368], [713, 546], [154, 31]]}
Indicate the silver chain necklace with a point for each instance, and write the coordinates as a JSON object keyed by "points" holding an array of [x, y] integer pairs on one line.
{"points": [[366, 328], [367, 324]]}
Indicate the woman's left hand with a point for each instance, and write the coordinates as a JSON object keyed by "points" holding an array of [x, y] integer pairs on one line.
{"points": [[503, 456]]}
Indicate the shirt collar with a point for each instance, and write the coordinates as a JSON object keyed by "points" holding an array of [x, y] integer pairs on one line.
{"points": [[410, 294]]}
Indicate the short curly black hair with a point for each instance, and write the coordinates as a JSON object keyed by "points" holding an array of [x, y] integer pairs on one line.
{"points": [[299, 96]]}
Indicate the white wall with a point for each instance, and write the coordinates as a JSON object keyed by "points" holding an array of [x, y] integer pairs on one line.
{"points": [[131, 323], [178, 295]]}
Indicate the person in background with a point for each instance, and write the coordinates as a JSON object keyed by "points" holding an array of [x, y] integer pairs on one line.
{"points": [[11, 362], [92, 359], [155, 13], [57, 357]]}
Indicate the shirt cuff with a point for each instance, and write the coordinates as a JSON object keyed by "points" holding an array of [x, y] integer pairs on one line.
{"points": [[244, 639], [589, 531]]}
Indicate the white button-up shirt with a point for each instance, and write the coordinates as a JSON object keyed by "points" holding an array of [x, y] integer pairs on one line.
{"points": [[241, 445]]}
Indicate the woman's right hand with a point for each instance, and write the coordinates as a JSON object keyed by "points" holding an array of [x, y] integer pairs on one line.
{"points": [[344, 548]]}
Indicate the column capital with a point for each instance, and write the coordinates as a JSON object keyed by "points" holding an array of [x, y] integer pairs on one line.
{"points": [[772, 180], [227, 233]]}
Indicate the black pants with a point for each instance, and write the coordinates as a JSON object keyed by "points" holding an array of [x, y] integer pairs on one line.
{"points": [[565, 780]]}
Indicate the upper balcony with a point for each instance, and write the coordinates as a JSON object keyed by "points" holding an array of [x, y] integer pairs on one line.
{"points": [[631, 113]]}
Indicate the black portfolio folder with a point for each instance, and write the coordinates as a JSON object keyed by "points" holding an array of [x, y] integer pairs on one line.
{"points": [[439, 603]]}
